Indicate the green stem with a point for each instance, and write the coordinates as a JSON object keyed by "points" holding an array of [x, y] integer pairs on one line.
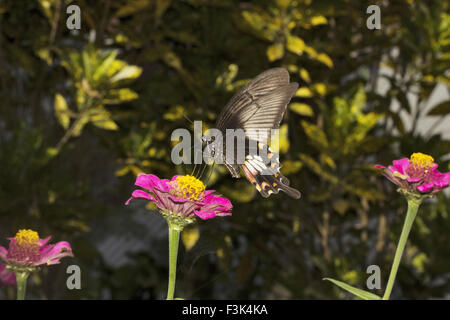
{"points": [[174, 239], [413, 206], [21, 279]]}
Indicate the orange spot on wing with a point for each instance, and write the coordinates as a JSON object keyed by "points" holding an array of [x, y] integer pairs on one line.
{"points": [[248, 174]]}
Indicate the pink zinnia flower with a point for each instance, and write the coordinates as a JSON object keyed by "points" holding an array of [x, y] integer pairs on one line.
{"points": [[26, 249], [7, 278], [183, 196], [417, 174]]}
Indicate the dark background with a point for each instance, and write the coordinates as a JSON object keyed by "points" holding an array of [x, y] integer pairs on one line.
{"points": [[83, 112]]}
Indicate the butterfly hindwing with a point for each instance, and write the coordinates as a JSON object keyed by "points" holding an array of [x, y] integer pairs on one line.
{"points": [[263, 171]]}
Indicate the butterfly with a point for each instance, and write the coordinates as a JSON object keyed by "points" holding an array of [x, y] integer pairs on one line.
{"points": [[257, 109]]}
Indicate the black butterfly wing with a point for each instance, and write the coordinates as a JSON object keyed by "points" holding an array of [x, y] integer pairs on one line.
{"points": [[260, 86], [264, 114], [257, 109]]}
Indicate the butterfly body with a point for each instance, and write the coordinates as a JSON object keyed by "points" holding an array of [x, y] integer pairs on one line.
{"points": [[257, 109]]}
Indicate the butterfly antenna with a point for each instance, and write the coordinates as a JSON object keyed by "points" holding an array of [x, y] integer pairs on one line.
{"points": [[187, 118], [203, 171], [210, 173]]}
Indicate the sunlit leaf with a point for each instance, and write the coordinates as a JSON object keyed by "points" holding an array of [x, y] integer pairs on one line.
{"points": [[174, 113], [103, 120], [302, 109], [317, 168], [304, 74], [304, 92], [62, 111], [316, 135], [127, 73], [104, 66], [275, 51], [357, 292], [291, 167], [133, 6], [320, 88], [115, 96], [295, 44], [283, 3], [172, 60], [341, 206], [190, 236], [79, 124], [280, 142], [254, 19], [122, 171], [324, 58], [318, 20]]}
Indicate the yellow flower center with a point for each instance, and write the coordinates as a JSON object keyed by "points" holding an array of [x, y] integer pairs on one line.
{"points": [[27, 237], [421, 161], [188, 187]]}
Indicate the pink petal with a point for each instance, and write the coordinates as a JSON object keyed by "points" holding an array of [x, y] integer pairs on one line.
{"points": [[178, 200], [175, 177], [425, 187], [150, 181], [441, 180], [139, 194], [208, 192], [223, 213], [186, 208], [45, 240], [163, 200], [3, 253], [204, 215], [401, 165], [51, 254], [414, 180], [379, 166], [218, 200], [7, 278]]}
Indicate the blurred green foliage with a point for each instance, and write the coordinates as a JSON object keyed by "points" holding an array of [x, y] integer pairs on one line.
{"points": [[83, 112]]}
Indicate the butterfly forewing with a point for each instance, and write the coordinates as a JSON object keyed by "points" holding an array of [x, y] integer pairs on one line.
{"points": [[259, 86]]}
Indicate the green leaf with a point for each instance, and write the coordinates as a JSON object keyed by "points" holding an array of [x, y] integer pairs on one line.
{"points": [[87, 64], [101, 70], [314, 166], [62, 111], [316, 135], [253, 19], [102, 119], [398, 122], [79, 125], [442, 108], [116, 96], [51, 152], [366, 295]]}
